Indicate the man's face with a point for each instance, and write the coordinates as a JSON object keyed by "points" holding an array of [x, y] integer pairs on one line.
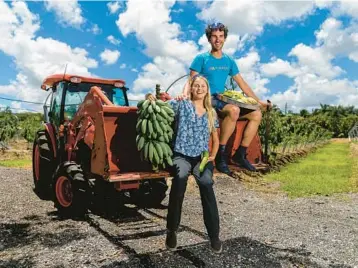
{"points": [[217, 39]]}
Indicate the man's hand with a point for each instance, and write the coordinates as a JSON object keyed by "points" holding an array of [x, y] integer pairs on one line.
{"points": [[265, 104]]}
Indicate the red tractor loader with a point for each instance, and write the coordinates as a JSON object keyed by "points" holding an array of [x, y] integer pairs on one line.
{"points": [[86, 155]]}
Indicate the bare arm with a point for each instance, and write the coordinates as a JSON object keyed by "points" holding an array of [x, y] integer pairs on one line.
{"points": [[215, 145], [244, 86], [186, 89], [247, 90]]}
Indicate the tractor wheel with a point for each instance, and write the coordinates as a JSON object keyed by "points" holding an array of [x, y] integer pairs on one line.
{"points": [[42, 166], [151, 193], [71, 190]]}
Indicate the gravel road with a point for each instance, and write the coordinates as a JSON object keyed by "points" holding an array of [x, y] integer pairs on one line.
{"points": [[259, 230]]}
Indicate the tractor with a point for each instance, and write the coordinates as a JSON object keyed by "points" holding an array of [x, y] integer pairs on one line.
{"points": [[86, 157]]}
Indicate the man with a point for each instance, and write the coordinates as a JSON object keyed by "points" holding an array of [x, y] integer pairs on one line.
{"points": [[216, 66]]}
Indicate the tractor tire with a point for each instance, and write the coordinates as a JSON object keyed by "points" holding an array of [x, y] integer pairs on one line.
{"points": [[71, 190], [151, 193], [42, 166]]}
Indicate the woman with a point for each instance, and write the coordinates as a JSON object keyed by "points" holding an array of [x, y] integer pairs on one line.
{"points": [[196, 122]]}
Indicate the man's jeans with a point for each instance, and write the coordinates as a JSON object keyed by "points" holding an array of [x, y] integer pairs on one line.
{"points": [[183, 166]]}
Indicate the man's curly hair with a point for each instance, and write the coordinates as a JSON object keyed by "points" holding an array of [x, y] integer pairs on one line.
{"points": [[212, 27]]}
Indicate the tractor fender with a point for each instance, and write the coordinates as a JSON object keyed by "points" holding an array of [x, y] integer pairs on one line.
{"points": [[50, 132]]}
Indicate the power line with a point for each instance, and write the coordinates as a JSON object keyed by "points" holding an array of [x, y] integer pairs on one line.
{"points": [[30, 110], [3, 98]]}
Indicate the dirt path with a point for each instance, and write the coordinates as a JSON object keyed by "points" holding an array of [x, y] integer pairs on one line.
{"points": [[258, 231]]}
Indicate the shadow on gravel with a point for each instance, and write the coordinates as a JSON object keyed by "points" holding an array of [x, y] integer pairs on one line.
{"points": [[238, 252], [17, 263], [20, 235]]}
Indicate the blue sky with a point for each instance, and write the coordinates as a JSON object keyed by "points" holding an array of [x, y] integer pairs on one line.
{"points": [[300, 53]]}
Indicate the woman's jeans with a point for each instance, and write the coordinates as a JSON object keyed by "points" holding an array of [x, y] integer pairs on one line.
{"points": [[182, 167]]}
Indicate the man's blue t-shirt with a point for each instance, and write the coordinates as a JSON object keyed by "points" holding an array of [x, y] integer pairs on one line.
{"points": [[215, 70]]}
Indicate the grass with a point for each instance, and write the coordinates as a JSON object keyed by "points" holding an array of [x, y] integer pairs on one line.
{"points": [[19, 163], [329, 170]]}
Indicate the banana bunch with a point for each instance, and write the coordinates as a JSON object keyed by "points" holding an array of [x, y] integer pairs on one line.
{"points": [[155, 132], [238, 96]]}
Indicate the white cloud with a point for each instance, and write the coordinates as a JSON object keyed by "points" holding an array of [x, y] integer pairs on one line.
{"points": [[110, 56], [35, 57], [315, 60], [157, 73], [15, 104], [68, 13], [122, 66], [113, 7], [246, 17], [134, 70], [315, 79], [349, 8], [95, 29], [309, 91], [249, 67], [113, 40], [338, 41], [146, 28], [278, 67], [171, 56]]}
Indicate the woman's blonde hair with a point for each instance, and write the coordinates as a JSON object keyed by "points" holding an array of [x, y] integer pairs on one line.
{"points": [[207, 103]]}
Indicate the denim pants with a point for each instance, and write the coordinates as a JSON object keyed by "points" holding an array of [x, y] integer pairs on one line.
{"points": [[182, 167]]}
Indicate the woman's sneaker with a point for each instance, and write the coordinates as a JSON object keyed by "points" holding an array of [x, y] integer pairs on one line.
{"points": [[171, 240], [216, 245]]}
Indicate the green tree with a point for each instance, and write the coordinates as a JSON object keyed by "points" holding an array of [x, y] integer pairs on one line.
{"points": [[8, 125]]}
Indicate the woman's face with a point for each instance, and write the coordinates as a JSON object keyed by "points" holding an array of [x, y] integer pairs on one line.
{"points": [[199, 89]]}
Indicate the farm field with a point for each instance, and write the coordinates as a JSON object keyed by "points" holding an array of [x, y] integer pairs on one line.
{"points": [[259, 228]]}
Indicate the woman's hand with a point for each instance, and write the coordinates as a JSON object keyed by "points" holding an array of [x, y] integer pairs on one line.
{"points": [[211, 158], [181, 97]]}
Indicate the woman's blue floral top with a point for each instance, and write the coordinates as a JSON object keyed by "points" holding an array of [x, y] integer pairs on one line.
{"points": [[192, 132]]}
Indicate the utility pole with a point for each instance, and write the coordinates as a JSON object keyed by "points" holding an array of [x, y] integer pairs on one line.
{"points": [[286, 108]]}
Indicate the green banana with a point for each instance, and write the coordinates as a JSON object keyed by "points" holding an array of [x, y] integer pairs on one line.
{"points": [[168, 110], [164, 114], [151, 149], [150, 127], [153, 117], [169, 150], [146, 151], [153, 104], [158, 109], [204, 160], [145, 104], [161, 103], [169, 160], [164, 148], [140, 103], [157, 128], [140, 143], [138, 126], [144, 126], [166, 138], [160, 118], [159, 149], [156, 156]]}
